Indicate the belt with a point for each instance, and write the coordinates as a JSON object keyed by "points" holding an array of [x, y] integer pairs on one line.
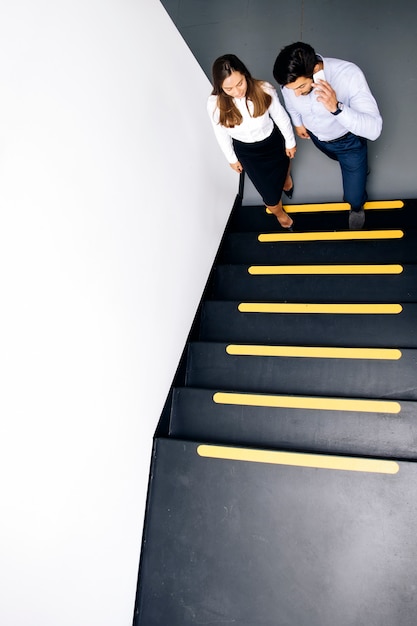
{"points": [[338, 139]]}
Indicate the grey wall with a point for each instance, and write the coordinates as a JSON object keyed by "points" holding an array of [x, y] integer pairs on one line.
{"points": [[378, 35]]}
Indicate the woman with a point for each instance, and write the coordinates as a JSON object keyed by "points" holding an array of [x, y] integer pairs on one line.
{"points": [[253, 131]]}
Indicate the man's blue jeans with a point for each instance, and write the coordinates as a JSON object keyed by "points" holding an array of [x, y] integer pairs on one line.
{"points": [[352, 153]]}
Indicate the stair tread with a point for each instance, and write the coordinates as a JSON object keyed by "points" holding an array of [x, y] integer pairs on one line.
{"points": [[247, 536], [361, 430], [233, 281], [209, 366], [221, 320], [252, 217], [245, 247]]}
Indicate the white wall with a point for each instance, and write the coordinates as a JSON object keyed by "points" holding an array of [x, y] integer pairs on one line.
{"points": [[113, 198]]}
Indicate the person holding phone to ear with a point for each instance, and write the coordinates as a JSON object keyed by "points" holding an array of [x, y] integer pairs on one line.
{"points": [[329, 102]]}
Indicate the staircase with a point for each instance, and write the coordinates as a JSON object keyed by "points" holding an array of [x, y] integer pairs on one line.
{"points": [[283, 484]]}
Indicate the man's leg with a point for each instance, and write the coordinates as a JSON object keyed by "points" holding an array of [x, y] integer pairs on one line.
{"points": [[353, 159], [352, 154]]}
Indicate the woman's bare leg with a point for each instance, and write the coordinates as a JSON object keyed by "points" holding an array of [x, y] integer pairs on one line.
{"points": [[282, 217], [288, 181]]}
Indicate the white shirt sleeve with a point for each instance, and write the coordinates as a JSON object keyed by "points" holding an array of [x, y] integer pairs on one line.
{"points": [[295, 115], [360, 114], [280, 117], [223, 137]]}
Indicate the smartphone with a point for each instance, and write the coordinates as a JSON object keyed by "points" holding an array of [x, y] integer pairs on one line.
{"points": [[319, 76]]}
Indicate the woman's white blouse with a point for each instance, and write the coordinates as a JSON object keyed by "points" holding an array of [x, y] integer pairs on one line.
{"points": [[252, 128]]}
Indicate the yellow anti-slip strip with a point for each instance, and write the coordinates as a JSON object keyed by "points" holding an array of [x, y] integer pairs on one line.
{"points": [[385, 354], [307, 402], [331, 236], [288, 307], [324, 269], [350, 464], [340, 206]]}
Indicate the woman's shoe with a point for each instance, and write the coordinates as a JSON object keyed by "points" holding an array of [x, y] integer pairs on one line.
{"points": [[289, 192], [289, 227]]}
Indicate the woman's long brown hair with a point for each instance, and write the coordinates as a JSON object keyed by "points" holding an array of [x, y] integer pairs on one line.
{"points": [[230, 115]]}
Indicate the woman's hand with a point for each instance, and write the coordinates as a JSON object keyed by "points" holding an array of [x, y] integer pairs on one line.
{"points": [[237, 167], [291, 152]]}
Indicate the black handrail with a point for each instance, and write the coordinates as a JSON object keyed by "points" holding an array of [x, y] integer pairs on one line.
{"points": [[241, 184]]}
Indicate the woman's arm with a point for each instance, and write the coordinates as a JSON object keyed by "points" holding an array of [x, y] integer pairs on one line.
{"points": [[223, 138], [280, 117]]}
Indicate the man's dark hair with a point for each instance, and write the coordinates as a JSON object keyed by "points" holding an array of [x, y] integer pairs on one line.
{"points": [[297, 59]]}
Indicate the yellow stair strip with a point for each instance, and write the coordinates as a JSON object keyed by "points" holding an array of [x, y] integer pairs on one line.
{"points": [[340, 206], [389, 354], [324, 269], [316, 461], [307, 402], [288, 307], [331, 236]]}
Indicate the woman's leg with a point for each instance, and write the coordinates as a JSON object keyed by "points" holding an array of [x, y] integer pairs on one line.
{"points": [[283, 218], [288, 183], [267, 166]]}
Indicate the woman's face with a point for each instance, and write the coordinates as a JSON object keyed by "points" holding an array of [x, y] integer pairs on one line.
{"points": [[235, 85]]}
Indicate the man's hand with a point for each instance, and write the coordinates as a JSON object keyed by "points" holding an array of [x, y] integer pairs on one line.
{"points": [[237, 167], [326, 95], [301, 131]]}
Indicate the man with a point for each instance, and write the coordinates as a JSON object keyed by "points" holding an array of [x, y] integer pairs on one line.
{"points": [[330, 102]]}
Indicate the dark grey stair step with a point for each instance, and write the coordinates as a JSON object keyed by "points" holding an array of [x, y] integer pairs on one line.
{"points": [[233, 282], [222, 321], [210, 366], [234, 541], [246, 248], [252, 218], [207, 415]]}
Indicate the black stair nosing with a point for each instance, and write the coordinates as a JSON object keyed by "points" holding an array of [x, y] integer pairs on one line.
{"points": [[233, 282], [244, 247], [252, 217], [222, 321], [195, 416], [208, 366]]}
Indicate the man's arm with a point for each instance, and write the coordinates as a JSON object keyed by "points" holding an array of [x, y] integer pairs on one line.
{"points": [[359, 114], [302, 132]]}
